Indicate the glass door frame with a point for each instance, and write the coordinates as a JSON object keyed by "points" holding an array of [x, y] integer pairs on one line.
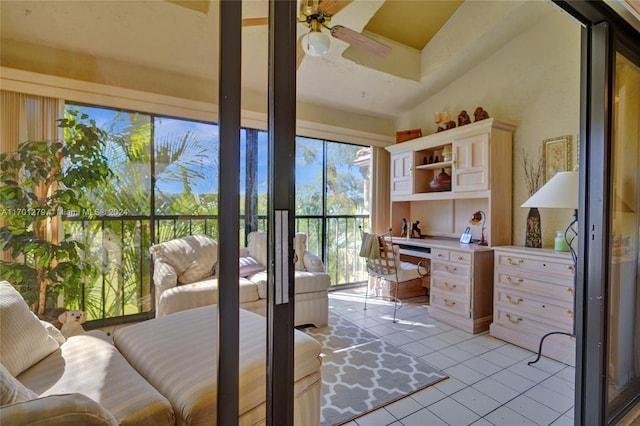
{"points": [[603, 34]]}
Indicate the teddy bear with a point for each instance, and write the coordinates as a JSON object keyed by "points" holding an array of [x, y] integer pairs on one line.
{"points": [[72, 323]]}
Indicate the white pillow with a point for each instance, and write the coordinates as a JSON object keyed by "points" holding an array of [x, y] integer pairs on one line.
{"points": [[23, 340], [192, 257], [53, 332], [300, 246], [248, 265], [11, 390], [313, 263], [258, 246]]}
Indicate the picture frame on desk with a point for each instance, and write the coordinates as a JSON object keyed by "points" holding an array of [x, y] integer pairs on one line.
{"points": [[466, 237]]}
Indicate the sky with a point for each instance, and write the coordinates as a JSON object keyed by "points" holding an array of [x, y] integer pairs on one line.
{"points": [[207, 135]]}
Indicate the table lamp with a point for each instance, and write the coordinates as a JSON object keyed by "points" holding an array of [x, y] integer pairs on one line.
{"points": [[560, 192], [478, 218]]}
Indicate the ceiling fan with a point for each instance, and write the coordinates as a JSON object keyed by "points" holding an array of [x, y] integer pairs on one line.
{"points": [[316, 15]]}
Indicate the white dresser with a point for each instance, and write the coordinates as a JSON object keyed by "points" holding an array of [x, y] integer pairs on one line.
{"points": [[533, 296]]}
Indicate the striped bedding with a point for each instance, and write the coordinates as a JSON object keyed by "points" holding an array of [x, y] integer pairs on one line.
{"points": [[176, 354], [91, 365]]}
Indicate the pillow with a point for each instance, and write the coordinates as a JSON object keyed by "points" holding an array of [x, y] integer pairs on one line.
{"points": [[11, 390], [258, 246], [192, 257], [313, 263], [53, 331], [300, 246], [248, 265], [23, 340], [58, 410]]}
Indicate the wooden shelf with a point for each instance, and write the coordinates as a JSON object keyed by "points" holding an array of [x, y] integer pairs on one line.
{"points": [[480, 170], [442, 195], [435, 166]]}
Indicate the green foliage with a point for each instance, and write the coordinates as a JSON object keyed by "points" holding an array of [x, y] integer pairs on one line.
{"points": [[40, 183]]}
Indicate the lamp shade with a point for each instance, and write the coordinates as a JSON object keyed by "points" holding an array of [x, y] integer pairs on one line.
{"points": [[315, 43], [561, 192]]}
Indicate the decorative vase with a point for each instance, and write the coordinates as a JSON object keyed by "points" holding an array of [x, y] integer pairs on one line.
{"points": [[534, 229], [442, 182]]}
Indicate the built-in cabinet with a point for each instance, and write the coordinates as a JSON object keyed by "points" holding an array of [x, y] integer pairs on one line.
{"points": [[534, 295], [471, 164], [478, 158]]}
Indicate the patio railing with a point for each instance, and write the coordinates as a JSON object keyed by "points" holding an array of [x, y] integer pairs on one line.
{"points": [[118, 249]]}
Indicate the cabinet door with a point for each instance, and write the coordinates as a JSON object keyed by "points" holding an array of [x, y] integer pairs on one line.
{"points": [[401, 173], [471, 163]]}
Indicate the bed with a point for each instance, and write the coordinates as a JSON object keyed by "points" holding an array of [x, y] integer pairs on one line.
{"points": [[177, 355]]}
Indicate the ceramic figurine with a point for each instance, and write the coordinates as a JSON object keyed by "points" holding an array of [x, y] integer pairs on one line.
{"points": [[415, 231], [463, 118], [404, 227], [480, 114]]}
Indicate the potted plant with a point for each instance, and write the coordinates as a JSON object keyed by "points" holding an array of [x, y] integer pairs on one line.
{"points": [[40, 183]]}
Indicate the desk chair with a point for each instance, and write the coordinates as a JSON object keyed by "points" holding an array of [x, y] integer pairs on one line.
{"points": [[383, 263]]}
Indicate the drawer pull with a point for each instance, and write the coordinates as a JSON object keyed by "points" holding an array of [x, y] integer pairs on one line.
{"points": [[513, 262], [450, 286], [448, 303], [570, 313], [450, 269], [440, 255], [460, 258], [515, 302], [571, 268], [570, 290], [514, 282], [515, 321]]}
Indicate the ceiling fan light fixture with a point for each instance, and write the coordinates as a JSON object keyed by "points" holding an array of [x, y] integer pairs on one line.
{"points": [[315, 43]]}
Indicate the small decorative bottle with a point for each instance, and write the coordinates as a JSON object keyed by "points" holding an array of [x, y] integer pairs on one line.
{"points": [[560, 242]]}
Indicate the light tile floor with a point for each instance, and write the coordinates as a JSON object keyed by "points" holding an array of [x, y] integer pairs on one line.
{"points": [[489, 380]]}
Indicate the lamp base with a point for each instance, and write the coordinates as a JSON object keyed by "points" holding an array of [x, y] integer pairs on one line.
{"points": [[533, 237]]}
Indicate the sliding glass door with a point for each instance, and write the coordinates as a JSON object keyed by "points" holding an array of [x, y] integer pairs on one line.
{"points": [[607, 286], [623, 334]]}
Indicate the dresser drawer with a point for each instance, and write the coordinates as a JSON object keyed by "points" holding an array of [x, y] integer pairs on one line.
{"points": [[446, 285], [439, 254], [460, 257], [561, 290], [534, 265], [546, 311], [451, 303], [450, 269], [527, 322]]}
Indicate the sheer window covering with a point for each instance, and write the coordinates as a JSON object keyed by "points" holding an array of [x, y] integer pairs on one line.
{"points": [[380, 198], [26, 117]]}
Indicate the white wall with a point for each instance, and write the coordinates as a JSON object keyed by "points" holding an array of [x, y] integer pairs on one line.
{"points": [[533, 82]]}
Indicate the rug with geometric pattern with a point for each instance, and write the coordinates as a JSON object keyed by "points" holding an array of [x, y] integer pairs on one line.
{"points": [[362, 372]]}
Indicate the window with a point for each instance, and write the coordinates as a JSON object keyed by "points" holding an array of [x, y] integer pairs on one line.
{"points": [[165, 186]]}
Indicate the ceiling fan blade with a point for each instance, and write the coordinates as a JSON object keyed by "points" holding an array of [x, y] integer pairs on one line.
{"points": [[299, 52], [251, 22], [197, 5], [361, 41], [331, 7]]}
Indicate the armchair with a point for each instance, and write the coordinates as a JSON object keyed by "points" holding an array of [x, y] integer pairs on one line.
{"points": [[174, 292]]}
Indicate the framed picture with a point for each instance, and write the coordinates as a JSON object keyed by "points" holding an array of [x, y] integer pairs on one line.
{"points": [[556, 156]]}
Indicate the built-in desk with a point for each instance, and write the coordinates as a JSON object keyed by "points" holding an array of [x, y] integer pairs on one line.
{"points": [[461, 280]]}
